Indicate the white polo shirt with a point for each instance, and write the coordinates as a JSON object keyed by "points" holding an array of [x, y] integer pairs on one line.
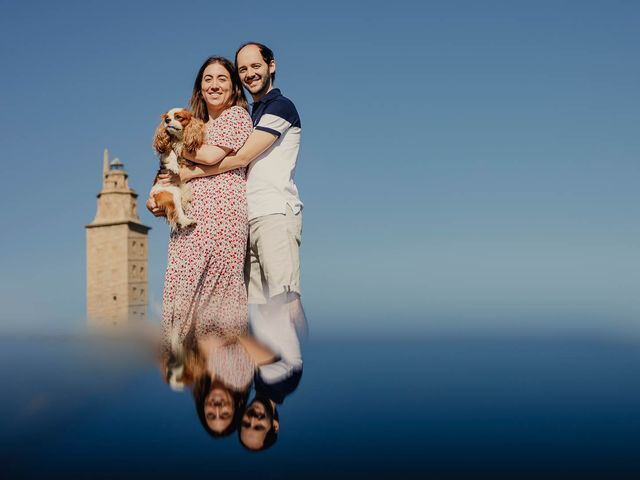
{"points": [[270, 185]]}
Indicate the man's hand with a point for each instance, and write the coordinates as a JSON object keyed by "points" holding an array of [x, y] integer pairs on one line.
{"points": [[153, 208]]}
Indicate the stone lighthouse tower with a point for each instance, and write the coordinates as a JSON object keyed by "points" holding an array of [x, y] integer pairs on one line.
{"points": [[116, 253]]}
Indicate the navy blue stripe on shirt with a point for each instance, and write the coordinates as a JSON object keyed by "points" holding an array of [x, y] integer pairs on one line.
{"points": [[274, 103], [283, 108], [268, 130]]}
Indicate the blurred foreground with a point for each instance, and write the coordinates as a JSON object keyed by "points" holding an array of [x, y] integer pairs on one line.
{"points": [[450, 407]]}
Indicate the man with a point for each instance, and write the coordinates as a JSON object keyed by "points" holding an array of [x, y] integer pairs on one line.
{"points": [[259, 425], [274, 206], [260, 422]]}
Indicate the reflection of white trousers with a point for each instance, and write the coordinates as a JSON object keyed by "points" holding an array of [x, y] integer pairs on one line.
{"points": [[272, 326]]}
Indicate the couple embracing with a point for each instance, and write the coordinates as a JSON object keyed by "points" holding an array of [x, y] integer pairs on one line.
{"points": [[243, 193]]}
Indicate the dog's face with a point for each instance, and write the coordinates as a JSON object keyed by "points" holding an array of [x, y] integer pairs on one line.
{"points": [[178, 125], [175, 121]]}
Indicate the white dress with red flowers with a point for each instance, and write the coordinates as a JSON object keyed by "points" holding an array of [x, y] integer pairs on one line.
{"points": [[204, 287]]}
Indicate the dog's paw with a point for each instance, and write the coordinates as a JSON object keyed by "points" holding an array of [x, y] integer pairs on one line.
{"points": [[188, 223]]}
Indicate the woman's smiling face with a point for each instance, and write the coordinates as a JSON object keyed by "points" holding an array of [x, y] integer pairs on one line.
{"points": [[219, 409], [216, 87]]}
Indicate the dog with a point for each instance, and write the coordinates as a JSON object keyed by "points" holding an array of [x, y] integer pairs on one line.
{"points": [[178, 130]]}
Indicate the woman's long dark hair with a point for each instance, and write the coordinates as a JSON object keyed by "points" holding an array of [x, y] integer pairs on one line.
{"points": [[238, 98]]}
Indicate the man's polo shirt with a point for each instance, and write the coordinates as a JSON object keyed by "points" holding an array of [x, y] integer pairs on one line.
{"points": [[270, 185]]}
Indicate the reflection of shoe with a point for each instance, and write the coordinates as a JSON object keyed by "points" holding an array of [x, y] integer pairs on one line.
{"points": [[174, 374], [175, 367]]}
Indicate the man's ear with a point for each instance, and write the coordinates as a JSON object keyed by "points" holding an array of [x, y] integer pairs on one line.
{"points": [[276, 426], [272, 66]]}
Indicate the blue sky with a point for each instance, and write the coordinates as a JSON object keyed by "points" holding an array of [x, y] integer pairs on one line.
{"points": [[467, 166]]}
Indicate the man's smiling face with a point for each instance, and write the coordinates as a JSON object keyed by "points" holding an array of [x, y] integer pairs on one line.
{"points": [[256, 423], [254, 72]]}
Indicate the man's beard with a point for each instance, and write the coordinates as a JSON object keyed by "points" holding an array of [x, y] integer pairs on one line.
{"points": [[264, 86]]}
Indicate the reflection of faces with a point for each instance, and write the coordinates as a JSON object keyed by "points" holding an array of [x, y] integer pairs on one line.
{"points": [[256, 423], [219, 409]]}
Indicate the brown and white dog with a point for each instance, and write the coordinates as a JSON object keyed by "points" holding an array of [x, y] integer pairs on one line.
{"points": [[178, 130]]}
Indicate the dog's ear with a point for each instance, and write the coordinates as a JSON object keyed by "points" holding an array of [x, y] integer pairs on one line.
{"points": [[186, 117], [161, 140], [193, 136]]}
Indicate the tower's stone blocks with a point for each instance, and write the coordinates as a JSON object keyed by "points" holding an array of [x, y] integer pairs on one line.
{"points": [[116, 254]]}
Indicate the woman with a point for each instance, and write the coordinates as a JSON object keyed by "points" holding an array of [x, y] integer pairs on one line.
{"points": [[204, 290], [221, 393], [219, 374]]}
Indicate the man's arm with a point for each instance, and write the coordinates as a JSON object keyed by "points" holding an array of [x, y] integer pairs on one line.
{"points": [[258, 142], [260, 354]]}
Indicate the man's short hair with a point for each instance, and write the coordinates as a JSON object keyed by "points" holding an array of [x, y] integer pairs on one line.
{"points": [[266, 52]]}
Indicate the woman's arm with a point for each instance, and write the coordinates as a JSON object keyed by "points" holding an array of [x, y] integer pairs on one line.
{"points": [[207, 154]]}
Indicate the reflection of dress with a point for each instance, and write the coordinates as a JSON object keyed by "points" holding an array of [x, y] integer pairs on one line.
{"points": [[204, 283], [231, 365]]}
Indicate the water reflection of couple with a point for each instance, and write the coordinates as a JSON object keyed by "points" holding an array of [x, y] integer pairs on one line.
{"points": [[205, 292], [208, 284], [219, 374]]}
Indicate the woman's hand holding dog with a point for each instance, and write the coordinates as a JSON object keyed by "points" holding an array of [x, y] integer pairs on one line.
{"points": [[153, 208], [167, 179]]}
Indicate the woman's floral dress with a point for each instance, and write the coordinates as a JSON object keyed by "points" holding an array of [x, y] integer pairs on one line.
{"points": [[204, 287]]}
